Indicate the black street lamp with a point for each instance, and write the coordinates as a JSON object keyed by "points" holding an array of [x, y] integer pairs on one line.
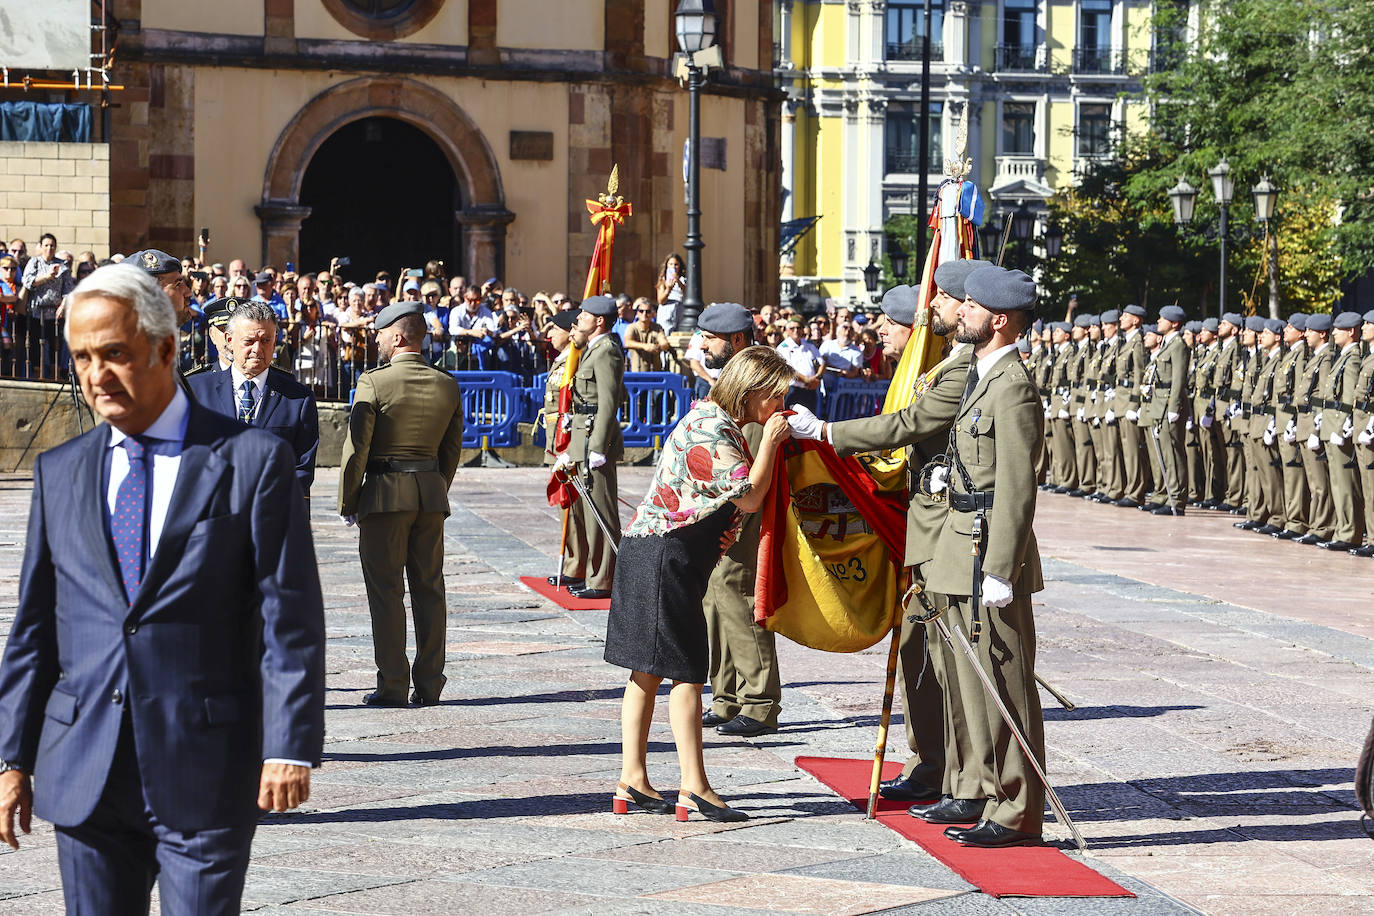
{"points": [[898, 258], [1022, 222], [1223, 187], [873, 278], [695, 22], [1054, 241], [989, 235]]}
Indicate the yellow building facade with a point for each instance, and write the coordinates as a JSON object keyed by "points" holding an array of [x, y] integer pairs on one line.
{"points": [[1048, 86]]}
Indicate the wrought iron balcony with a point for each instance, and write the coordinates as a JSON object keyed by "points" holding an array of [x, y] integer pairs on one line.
{"points": [[1021, 58], [904, 163], [911, 50], [1105, 61]]}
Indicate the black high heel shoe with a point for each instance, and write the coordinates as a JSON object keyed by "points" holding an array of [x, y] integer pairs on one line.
{"points": [[620, 801], [724, 814]]}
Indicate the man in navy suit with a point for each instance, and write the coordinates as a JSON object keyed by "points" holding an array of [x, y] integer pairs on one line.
{"points": [[259, 394], [164, 677]]}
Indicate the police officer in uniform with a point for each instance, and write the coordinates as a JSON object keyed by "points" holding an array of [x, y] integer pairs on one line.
{"points": [[597, 444], [405, 437], [746, 689], [216, 320]]}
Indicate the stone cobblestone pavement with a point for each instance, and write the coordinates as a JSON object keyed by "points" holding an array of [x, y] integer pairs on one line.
{"points": [[1209, 761]]}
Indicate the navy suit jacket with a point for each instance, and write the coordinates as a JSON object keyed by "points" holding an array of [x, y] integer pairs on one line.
{"points": [[288, 411], [219, 660]]}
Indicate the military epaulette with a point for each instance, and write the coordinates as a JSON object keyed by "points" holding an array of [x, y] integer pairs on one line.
{"points": [[203, 367]]}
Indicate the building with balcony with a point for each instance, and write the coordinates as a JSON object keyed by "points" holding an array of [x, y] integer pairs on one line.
{"points": [[1049, 85]]}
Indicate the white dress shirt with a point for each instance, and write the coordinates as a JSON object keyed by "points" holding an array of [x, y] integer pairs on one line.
{"points": [[985, 363], [259, 387]]}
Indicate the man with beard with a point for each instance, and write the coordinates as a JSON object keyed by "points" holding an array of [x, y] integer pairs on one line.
{"points": [[936, 733], [564, 337], [405, 436], [746, 689]]}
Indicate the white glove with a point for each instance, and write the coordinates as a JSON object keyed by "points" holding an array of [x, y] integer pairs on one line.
{"points": [[996, 591], [1367, 437], [1063, 414], [1096, 422], [1187, 424], [805, 424], [1092, 395], [349, 520], [1290, 432], [595, 459], [939, 479], [1079, 415], [1132, 415], [563, 460], [1207, 421], [1173, 417], [1146, 389], [1110, 417], [1111, 394], [1317, 422], [1047, 413], [1336, 439], [1269, 435], [1314, 443]]}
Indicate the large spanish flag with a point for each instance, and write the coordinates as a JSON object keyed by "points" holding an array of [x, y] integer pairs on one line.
{"points": [[834, 529]]}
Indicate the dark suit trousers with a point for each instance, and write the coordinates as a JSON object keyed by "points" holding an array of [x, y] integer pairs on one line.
{"points": [[109, 863], [399, 548]]}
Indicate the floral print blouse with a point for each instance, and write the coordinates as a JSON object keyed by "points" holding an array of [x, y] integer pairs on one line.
{"points": [[705, 464]]}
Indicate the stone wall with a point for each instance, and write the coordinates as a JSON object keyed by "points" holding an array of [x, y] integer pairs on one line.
{"points": [[62, 188]]}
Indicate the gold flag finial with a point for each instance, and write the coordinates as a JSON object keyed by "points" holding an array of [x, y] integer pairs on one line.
{"points": [[613, 183]]}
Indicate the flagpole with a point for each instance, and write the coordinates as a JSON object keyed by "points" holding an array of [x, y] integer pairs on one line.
{"points": [[889, 687]]}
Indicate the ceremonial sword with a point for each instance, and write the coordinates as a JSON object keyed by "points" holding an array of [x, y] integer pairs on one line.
{"points": [[956, 639], [581, 489]]}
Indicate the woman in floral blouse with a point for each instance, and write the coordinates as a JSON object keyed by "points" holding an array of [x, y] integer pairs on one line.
{"points": [[705, 481]]}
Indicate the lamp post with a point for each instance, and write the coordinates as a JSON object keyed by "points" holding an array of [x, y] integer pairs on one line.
{"points": [[1223, 186], [1021, 224], [695, 24], [898, 257], [873, 278], [1054, 241], [989, 235], [1266, 196]]}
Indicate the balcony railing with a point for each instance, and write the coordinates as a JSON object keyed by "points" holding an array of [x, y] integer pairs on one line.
{"points": [[911, 50], [903, 163], [1021, 58], [1104, 61], [1019, 168]]}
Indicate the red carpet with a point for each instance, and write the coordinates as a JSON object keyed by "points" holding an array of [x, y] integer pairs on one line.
{"points": [[1019, 871], [561, 597]]}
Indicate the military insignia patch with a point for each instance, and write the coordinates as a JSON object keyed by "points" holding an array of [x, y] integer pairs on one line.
{"points": [[149, 260]]}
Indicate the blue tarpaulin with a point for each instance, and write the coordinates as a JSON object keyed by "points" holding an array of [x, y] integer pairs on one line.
{"points": [[45, 121]]}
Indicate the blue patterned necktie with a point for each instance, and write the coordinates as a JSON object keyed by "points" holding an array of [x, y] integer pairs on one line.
{"points": [[246, 401], [129, 521]]}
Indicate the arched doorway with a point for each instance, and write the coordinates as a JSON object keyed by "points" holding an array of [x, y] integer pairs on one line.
{"points": [[382, 194]]}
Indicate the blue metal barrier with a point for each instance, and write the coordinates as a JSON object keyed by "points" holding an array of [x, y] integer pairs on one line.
{"points": [[849, 398], [491, 407], [655, 401]]}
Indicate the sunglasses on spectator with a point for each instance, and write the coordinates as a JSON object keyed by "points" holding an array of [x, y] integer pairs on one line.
{"points": [[641, 311]]}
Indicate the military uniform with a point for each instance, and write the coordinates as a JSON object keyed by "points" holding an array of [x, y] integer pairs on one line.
{"points": [[1112, 479], [1264, 471], [1228, 375], [1210, 464], [1286, 377], [1064, 467], [405, 437], [1320, 519], [1364, 439], [1131, 361], [598, 391], [1337, 400], [1085, 460], [1168, 412]]}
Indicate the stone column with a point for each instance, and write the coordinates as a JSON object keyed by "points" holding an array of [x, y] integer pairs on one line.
{"points": [[281, 230], [484, 237]]}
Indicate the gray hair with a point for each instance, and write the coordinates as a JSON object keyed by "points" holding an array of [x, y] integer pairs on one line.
{"points": [[157, 320], [256, 312]]}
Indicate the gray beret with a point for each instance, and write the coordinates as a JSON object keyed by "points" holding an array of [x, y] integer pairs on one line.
{"points": [[1039, 326], [1211, 324], [1133, 309], [1192, 327], [395, 312], [1082, 321], [1094, 321], [1298, 320], [951, 275], [155, 262], [1173, 313], [1233, 318], [1256, 323], [1348, 321], [1272, 325], [1320, 322], [1023, 345], [1000, 290], [565, 319], [600, 306], [1111, 316], [725, 318], [1061, 326], [900, 303], [1369, 316]]}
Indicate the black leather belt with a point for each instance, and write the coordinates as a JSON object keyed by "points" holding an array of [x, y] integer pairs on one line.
{"points": [[1229, 394], [588, 409], [399, 466], [1332, 405], [970, 502]]}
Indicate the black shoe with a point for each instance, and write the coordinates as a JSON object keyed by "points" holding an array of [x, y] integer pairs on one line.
{"points": [[1286, 535], [1060, 489], [904, 788], [567, 582], [1309, 539], [590, 594], [992, 835], [1150, 507], [1078, 492], [1238, 510], [1127, 503], [1268, 529], [1246, 525], [950, 811], [741, 726], [381, 699], [707, 810], [1047, 486], [709, 719], [1209, 504], [1225, 507], [417, 699], [1366, 551], [1167, 510], [1337, 545], [626, 795]]}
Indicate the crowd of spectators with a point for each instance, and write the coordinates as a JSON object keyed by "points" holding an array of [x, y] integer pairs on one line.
{"points": [[325, 322]]}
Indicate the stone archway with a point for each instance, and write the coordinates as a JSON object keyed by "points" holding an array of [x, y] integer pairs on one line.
{"points": [[484, 216]]}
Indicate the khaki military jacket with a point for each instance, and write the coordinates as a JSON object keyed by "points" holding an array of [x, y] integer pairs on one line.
{"points": [[1061, 379], [999, 432], [1169, 391], [1107, 398], [1078, 378], [1130, 371], [553, 387], [1092, 381], [1228, 374], [1337, 392], [922, 427], [1039, 366], [1259, 391], [598, 386], [1310, 382], [1203, 371], [1364, 399], [405, 410], [1286, 378]]}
